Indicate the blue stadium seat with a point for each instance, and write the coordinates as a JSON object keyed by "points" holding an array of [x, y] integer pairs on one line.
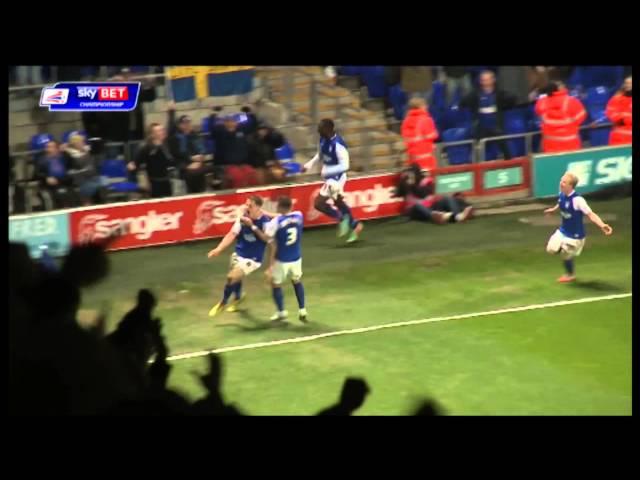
{"points": [[595, 101], [438, 96], [593, 76], [456, 117], [90, 71], [457, 154], [398, 99], [373, 77], [116, 171], [599, 137], [349, 70], [292, 168], [515, 123], [139, 69], [285, 153]]}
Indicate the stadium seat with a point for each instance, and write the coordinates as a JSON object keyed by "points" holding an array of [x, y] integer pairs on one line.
{"points": [[115, 170], [595, 101], [456, 117], [438, 96], [285, 153], [457, 154], [515, 123], [599, 137], [373, 78], [352, 71], [90, 71], [594, 76], [398, 99], [285, 156]]}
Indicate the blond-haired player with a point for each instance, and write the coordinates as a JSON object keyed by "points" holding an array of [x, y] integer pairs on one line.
{"points": [[570, 237]]}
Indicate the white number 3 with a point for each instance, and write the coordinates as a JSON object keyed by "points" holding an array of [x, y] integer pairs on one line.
{"points": [[292, 235]]}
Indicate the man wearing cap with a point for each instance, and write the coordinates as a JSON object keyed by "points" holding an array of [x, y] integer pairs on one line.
{"points": [[187, 149]]}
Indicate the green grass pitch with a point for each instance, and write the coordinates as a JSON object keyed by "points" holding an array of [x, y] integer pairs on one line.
{"points": [[567, 360]]}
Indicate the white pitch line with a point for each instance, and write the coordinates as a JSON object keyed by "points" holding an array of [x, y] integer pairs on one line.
{"points": [[373, 328]]}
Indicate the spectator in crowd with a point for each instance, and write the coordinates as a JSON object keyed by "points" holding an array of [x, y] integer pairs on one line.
{"points": [[487, 104], [456, 78], [232, 151], [83, 169], [354, 392], [561, 117], [422, 204], [52, 170], [419, 132], [156, 157], [619, 112], [186, 148], [417, 81], [57, 367], [262, 152], [475, 72]]}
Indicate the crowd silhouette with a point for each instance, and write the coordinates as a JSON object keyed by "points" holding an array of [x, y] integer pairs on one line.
{"points": [[58, 367]]}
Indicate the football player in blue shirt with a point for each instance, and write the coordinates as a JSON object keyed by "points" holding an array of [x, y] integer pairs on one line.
{"points": [[333, 156], [285, 257], [570, 237], [251, 242]]}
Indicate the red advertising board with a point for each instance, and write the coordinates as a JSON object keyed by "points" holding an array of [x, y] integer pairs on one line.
{"points": [[176, 220]]}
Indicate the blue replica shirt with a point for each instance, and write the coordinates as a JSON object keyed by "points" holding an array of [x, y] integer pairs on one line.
{"points": [[248, 245], [334, 157], [488, 110], [573, 208], [286, 231]]}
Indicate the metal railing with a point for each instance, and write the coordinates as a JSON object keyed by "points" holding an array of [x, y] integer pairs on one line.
{"points": [[528, 137]]}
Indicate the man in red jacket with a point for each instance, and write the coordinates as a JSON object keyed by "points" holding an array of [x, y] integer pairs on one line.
{"points": [[561, 117], [419, 133], [619, 112]]}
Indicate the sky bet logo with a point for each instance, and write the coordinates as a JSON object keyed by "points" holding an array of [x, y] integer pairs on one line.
{"points": [[91, 97]]}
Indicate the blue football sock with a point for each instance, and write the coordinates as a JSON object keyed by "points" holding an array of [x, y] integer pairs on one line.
{"points": [[238, 290], [299, 289], [228, 290], [568, 266], [278, 297]]}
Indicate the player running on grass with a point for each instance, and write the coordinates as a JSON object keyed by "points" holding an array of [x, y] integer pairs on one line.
{"points": [[285, 257], [248, 230], [334, 158], [570, 237]]}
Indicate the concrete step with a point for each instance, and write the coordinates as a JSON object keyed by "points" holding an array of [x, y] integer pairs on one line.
{"points": [[302, 103], [374, 104], [371, 137], [350, 83]]}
